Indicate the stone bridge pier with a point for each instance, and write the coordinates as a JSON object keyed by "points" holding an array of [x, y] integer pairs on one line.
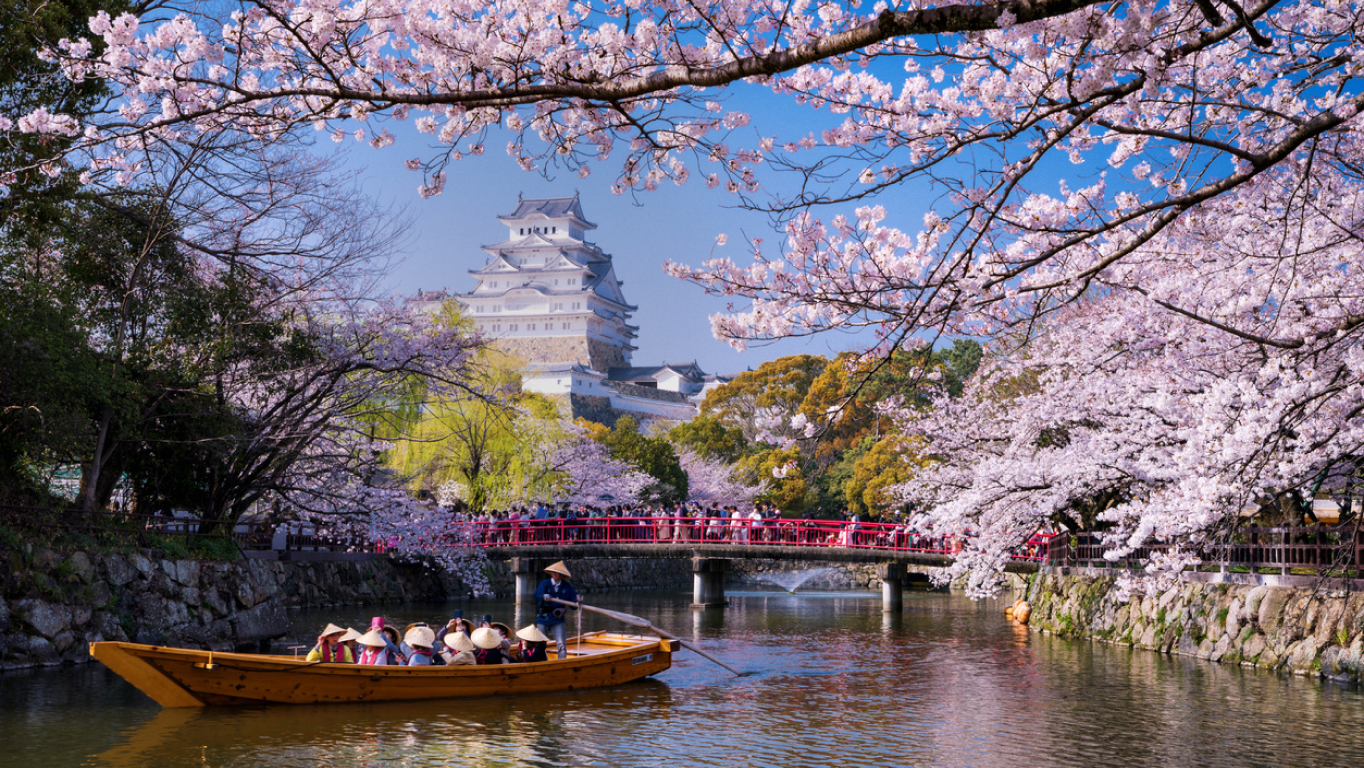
{"points": [[708, 581], [528, 571], [892, 586]]}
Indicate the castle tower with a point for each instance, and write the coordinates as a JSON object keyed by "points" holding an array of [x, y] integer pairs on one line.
{"points": [[547, 294]]}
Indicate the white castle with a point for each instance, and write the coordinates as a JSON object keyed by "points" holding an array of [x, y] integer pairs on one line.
{"points": [[552, 298]]}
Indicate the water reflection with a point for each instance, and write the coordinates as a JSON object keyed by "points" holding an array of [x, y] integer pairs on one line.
{"points": [[835, 680]]}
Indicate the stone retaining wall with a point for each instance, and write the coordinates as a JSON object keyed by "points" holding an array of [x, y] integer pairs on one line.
{"points": [[52, 605], [1292, 629]]}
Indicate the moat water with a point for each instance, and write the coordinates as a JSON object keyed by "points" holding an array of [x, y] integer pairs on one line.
{"points": [[832, 682]]}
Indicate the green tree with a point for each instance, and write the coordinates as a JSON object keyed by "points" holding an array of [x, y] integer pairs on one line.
{"points": [[653, 456], [710, 438], [778, 386], [477, 446], [888, 461], [789, 492], [38, 195]]}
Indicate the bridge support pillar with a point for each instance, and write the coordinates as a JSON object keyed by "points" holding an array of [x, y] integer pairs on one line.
{"points": [[892, 586], [708, 582], [528, 571]]}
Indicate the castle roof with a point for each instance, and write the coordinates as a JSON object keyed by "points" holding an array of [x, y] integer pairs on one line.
{"points": [[688, 370], [501, 264], [549, 208]]}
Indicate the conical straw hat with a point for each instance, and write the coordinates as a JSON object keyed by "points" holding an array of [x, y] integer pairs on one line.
{"points": [[560, 569], [486, 638], [532, 634], [373, 638], [461, 641], [350, 635], [332, 629], [420, 637]]}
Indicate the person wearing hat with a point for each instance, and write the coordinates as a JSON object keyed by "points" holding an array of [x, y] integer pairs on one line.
{"points": [[457, 623], [351, 640], [392, 640], [330, 648], [375, 650], [550, 616], [420, 639], [489, 645], [461, 650], [532, 644], [505, 632]]}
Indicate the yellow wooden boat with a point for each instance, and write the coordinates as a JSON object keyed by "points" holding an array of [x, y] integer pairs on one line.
{"points": [[178, 677]]}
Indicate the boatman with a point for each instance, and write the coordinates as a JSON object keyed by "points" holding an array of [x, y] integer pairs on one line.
{"points": [[550, 616]]}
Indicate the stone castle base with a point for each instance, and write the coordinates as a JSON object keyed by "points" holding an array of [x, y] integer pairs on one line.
{"points": [[593, 353]]}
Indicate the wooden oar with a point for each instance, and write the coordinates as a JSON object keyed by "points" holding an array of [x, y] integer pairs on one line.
{"points": [[644, 624]]}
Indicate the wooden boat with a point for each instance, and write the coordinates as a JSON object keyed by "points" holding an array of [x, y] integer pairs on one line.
{"points": [[178, 677]]}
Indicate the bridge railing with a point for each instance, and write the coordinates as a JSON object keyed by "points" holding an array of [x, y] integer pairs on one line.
{"points": [[1282, 549], [694, 530]]}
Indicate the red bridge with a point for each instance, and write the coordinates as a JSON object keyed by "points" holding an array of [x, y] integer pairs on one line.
{"points": [[711, 542]]}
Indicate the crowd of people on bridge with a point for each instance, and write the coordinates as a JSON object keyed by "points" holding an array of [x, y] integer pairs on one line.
{"points": [[692, 522], [457, 641]]}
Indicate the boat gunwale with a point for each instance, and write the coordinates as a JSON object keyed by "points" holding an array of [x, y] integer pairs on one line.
{"points": [[250, 662]]}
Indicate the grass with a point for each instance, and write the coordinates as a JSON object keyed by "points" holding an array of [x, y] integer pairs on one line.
{"points": [[109, 536]]}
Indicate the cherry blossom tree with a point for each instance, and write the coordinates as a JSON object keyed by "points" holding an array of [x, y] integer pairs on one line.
{"points": [[1202, 388], [580, 470], [713, 481], [1085, 167]]}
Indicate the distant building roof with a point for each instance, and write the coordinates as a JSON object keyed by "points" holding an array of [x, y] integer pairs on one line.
{"points": [[688, 370]]}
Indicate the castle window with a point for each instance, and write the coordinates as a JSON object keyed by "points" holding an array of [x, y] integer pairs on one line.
{"points": [[530, 327], [513, 326], [565, 326]]}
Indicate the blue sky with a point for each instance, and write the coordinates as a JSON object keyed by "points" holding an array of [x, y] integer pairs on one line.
{"points": [[640, 231]]}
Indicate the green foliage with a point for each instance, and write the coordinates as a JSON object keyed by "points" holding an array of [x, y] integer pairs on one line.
{"points": [[486, 447], [35, 201], [654, 456], [50, 386], [710, 438], [788, 493], [214, 548], [781, 384], [889, 461]]}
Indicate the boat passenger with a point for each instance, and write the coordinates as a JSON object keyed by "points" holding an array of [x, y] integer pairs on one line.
{"points": [[457, 623], [376, 651], [405, 648], [351, 640], [532, 644], [505, 632], [329, 647], [550, 616], [392, 640], [489, 645], [461, 650], [420, 639]]}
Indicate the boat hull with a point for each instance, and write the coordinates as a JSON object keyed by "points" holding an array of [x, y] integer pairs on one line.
{"points": [[176, 677]]}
